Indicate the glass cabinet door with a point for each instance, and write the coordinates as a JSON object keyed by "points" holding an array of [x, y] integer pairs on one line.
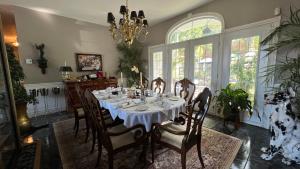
{"points": [[8, 135]]}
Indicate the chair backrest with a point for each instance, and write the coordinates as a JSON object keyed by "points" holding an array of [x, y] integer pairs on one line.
{"points": [[194, 129], [145, 82], [73, 98], [80, 89], [158, 85], [185, 89], [96, 115]]}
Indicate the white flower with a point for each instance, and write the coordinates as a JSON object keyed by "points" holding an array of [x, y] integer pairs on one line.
{"points": [[135, 69]]}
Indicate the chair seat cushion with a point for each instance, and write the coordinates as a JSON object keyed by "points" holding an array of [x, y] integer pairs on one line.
{"points": [[172, 139], [80, 112], [121, 140]]}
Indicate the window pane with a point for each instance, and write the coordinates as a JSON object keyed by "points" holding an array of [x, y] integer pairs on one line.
{"points": [[157, 65], [202, 67], [177, 66], [244, 55], [196, 28]]}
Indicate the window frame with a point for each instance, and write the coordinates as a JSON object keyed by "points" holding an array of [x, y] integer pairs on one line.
{"points": [[262, 61], [191, 18], [151, 51]]}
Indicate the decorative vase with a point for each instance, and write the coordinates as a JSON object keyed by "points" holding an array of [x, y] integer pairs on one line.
{"points": [[22, 117]]}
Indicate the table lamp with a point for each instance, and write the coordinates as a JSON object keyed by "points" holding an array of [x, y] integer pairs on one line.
{"points": [[65, 72]]}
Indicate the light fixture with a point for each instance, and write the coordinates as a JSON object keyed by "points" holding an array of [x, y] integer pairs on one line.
{"points": [[15, 44], [65, 72], [131, 27]]}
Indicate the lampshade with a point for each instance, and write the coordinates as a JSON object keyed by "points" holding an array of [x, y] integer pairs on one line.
{"points": [[110, 17], [138, 21], [133, 15], [141, 14], [123, 10], [121, 21], [145, 23], [65, 69]]}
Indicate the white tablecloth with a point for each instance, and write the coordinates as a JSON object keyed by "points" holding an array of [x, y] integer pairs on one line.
{"points": [[158, 110]]}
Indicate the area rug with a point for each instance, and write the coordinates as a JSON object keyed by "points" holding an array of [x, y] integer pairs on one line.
{"points": [[218, 149]]}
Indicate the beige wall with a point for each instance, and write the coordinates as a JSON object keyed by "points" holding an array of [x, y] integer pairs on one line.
{"points": [[235, 13], [63, 37]]}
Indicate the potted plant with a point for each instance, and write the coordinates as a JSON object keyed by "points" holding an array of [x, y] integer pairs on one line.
{"points": [[42, 61], [287, 38], [233, 102], [20, 95], [131, 62]]}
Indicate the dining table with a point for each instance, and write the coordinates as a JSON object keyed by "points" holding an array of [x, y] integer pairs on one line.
{"points": [[157, 108]]}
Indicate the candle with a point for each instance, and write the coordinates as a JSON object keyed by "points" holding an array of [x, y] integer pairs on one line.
{"points": [[65, 63], [107, 75], [121, 78], [141, 79]]}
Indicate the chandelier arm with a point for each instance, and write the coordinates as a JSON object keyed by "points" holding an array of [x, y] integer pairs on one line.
{"points": [[130, 28]]}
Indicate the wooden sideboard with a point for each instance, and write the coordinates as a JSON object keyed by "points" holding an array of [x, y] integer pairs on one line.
{"points": [[70, 89]]}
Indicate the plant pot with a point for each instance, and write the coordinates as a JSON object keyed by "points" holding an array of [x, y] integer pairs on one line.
{"points": [[233, 116], [237, 122], [22, 117]]}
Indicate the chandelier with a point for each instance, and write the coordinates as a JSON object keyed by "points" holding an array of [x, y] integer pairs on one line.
{"points": [[130, 27]]}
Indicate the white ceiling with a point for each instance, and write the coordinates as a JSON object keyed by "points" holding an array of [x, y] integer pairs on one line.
{"points": [[95, 11]]}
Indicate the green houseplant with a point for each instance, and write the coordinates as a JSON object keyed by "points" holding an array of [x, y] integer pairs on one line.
{"points": [[20, 95], [287, 39], [232, 102], [131, 58]]}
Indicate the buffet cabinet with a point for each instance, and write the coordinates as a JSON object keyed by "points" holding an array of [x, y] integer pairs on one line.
{"points": [[72, 97]]}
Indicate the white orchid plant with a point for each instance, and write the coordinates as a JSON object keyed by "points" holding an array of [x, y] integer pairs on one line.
{"points": [[135, 69]]}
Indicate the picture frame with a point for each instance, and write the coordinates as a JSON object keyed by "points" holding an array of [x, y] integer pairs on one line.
{"points": [[88, 62]]}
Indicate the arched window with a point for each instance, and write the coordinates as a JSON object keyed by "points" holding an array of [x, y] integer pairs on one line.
{"points": [[196, 27]]}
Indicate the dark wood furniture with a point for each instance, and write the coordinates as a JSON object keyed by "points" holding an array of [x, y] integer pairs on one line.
{"points": [[74, 101], [182, 138], [158, 85], [185, 89], [70, 89], [76, 109], [29, 156], [114, 138]]}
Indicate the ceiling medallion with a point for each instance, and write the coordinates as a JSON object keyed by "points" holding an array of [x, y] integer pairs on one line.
{"points": [[133, 27]]}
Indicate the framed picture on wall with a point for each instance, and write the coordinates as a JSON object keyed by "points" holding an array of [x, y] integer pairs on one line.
{"points": [[89, 62]]}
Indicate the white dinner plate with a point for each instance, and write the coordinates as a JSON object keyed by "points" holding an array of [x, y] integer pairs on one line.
{"points": [[142, 108], [174, 98]]}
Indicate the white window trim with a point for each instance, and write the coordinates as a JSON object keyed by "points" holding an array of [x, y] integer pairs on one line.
{"points": [[151, 50], [196, 17], [223, 47]]}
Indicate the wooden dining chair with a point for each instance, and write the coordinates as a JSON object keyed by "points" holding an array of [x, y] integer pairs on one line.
{"points": [[77, 109], [185, 89], [80, 92], [115, 138], [108, 119], [158, 85], [182, 138], [145, 82]]}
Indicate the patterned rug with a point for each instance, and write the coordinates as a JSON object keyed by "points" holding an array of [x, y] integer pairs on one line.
{"points": [[218, 149]]}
